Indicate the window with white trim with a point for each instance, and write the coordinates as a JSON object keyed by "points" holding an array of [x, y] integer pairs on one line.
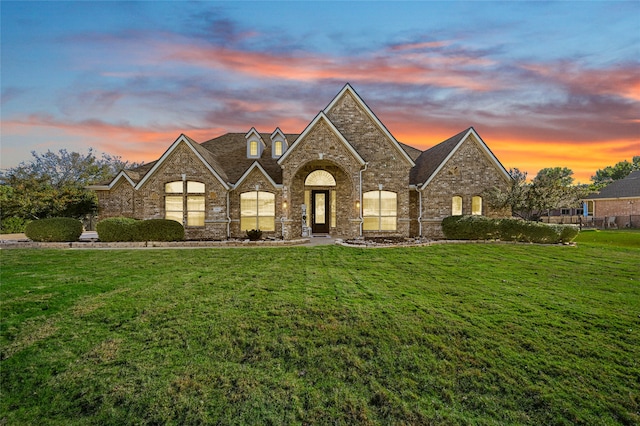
{"points": [[277, 148], [379, 211], [258, 211], [184, 202], [253, 149], [456, 206]]}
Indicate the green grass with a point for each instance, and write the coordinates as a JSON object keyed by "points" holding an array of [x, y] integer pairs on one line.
{"points": [[452, 334]]}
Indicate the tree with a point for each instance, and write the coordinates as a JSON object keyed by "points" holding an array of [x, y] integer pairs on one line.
{"points": [[552, 188], [619, 171], [54, 184]]}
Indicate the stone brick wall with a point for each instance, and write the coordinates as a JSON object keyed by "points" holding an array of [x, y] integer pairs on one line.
{"points": [[467, 174], [255, 181], [622, 209], [184, 161], [387, 167], [321, 141], [119, 201]]}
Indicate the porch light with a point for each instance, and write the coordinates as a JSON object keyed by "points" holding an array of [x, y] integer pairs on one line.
{"points": [[284, 204], [357, 205]]}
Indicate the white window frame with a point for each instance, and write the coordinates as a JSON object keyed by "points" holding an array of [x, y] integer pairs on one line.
{"points": [[186, 192], [256, 208], [378, 215]]}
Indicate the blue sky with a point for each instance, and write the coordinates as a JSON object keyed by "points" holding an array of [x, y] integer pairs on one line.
{"points": [[544, 83]]}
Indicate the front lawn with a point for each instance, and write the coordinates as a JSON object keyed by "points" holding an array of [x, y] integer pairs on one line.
{"points": [[449, 334]]}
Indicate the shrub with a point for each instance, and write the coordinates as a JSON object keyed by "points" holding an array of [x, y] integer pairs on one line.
{"points": [[117, 229], [13, 225], [469, 228], [159, 230], [254, 234], [55, 229], [569, 233], [482, 228]]}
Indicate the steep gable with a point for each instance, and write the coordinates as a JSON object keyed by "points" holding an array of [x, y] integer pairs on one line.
{"points": [[431, 161], [201, 153], [321, 120], [361, 127]]}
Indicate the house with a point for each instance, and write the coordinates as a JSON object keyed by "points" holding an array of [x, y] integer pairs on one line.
{"points": [[345, 175], [616, 205]]}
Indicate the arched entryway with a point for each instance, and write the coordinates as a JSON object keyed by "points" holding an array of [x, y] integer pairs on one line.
{"points": [[320, 197], [323, 199]]}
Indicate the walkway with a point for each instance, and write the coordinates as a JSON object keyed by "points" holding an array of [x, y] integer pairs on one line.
{"points": [[93, 236]]}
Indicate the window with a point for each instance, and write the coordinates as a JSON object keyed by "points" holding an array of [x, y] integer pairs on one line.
{"points": [[258, 211], [253, 148], [379, 211], [277, 148], [476, 205], [185, 196], [456, 206], [565, 212], [589, 206], [320, 178]]}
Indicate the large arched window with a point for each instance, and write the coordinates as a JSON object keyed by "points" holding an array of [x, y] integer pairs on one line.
{"points": [[258, 211], [476, 205], [379, 211], [456, 206], [185, 196]]}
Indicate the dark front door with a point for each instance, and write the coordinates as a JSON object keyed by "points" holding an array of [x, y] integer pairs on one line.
{"points": [[320, 212]]}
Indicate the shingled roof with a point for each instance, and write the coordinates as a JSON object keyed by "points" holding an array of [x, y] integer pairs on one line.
{"points": [[628, 187], [230, 150], [429, 161]]}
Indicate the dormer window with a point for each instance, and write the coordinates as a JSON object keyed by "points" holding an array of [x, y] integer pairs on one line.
{"points": [[277, 148], [278, 143], [255, 144]]}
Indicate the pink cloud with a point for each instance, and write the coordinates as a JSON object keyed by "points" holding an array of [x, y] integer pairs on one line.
{"points": [[380, 67], [621, 80]]}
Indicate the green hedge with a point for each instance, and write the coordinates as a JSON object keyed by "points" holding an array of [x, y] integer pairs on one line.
{"points": [[126, 229], [482, 228], [55, 229], [159, 230], [13, 225], [117, 229]]}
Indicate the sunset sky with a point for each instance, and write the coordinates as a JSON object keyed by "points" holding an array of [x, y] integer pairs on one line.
{"points": [[545, 84]]}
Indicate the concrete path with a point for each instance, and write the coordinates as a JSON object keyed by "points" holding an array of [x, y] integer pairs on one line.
{"points": [[92, 236]]}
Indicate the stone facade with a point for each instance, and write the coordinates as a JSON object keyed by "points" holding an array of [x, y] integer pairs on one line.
{"points": [[347, 141], [466, 174]]}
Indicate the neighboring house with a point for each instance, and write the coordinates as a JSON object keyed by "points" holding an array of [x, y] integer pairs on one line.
{"points": [[345, 175], [617, 204]]}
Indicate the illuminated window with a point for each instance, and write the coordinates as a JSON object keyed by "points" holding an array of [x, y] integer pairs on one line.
{"points": [[258, 211], [379, 211], [277, 148], [184, 197], [320, 178], [456, 206], [253, 148], [476, 205]]}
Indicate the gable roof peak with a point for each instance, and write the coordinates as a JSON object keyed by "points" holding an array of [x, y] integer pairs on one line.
{"points": [[347, 88], [322, 116], [253, 131], [431, 161], [277, 132]]}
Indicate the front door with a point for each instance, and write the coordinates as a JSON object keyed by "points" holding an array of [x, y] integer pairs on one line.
{"points": [[320, 212]]}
